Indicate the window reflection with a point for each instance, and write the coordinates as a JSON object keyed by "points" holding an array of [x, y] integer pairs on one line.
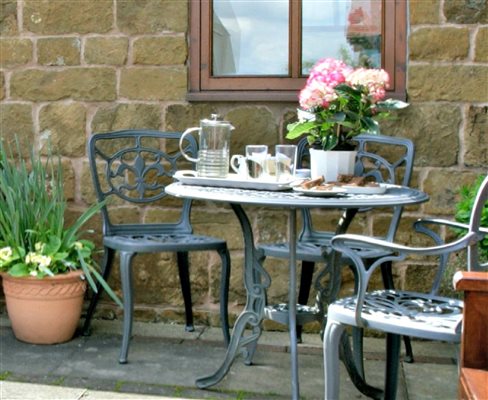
{"points": [[250, 37], [348, 29]]}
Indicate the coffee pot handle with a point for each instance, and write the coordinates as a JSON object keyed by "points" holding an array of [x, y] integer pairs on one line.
{"points": [[182, 138]]}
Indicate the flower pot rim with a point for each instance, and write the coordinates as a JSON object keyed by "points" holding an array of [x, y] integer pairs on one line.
{"points": [[64, 275]]}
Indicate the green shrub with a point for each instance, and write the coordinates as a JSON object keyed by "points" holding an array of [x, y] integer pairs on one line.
{"points": [[463, 211]]}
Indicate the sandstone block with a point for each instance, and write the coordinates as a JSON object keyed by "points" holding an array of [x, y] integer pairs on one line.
{"points": [[466, 12], [89, 84], [443, 186], [16, 120], [86, 185], [65, 125], [439, 44], [166, 50], [152, 16], [126, 116], [419, 277], [424, 12], [8, 18], [253, 125], [15, 52], [447, 82], [66, 16], [59, 51], [481, 50], [430, 126], [106, 50], [178, 117], [476, 140], [68, 180], [167, 83]]}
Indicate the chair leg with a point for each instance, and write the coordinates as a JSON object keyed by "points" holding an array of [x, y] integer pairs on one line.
{"points": [[304, 291], [183, 270], [392, 365], [127, 292], [357, 345], [224, 294], [107, 262], [332, 337], [387, 277]]}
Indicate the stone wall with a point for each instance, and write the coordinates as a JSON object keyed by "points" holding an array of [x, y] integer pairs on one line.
{"points": [[70, 68]]}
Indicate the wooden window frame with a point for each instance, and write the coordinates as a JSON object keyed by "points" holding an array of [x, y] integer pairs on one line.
{"points": [[204, 87]]}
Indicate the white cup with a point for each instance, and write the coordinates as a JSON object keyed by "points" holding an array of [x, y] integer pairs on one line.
{"points": [[252, 165], [238, 163]]}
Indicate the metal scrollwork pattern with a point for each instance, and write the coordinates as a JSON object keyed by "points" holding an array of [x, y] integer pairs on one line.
{"points": [[135, 174], [410, 309]]}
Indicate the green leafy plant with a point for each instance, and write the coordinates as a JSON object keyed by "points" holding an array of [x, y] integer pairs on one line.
{"points": [[463, 211], [34, 240]]}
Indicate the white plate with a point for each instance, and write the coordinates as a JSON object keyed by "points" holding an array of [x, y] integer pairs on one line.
{"points": [[334, 191], [189, 177], [380, 189]]}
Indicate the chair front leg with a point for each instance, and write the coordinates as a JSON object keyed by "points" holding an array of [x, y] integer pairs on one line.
{"points": [[332, 338], [107, 262], [224, 293], [392, 364], [128, 301], [184, 273], [306, 277]]}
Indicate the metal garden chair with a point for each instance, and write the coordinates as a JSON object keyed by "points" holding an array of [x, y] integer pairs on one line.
{"points": [[132, 167], [397, 312], [389, 160]]}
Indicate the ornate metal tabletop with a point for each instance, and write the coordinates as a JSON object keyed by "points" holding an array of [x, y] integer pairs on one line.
{"points": [[395, 195]]}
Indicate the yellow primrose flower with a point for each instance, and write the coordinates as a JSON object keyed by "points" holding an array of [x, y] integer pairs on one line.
{"points": [[33, 258], [78, 245], [29, 257], [39, 246], [43, 261], [5, 253]]}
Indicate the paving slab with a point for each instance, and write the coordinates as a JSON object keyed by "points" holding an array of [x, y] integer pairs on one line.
{"points": [[165, 361]]}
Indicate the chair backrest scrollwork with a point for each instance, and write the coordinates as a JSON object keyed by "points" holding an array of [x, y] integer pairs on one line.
{"points": [[134, 167]]}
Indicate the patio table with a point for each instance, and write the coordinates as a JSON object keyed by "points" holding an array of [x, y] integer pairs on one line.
{"points": [[256, 279]]}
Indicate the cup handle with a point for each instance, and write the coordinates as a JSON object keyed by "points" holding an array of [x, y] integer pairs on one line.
{"points": [[188, 131], [236, 158]]}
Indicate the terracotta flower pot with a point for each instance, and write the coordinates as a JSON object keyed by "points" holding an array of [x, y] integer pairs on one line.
{"points": [[47, 310]]}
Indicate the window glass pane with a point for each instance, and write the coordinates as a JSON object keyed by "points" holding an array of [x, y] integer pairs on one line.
{"points": [[348, 29], [250, 37]]}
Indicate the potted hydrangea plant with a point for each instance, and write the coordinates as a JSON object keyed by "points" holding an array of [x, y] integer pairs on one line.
{"points": [[44, 263], [338, 103]]}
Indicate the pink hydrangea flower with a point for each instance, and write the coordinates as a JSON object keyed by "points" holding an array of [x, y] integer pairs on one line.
{"points": [[323, 78], [376, 80]]}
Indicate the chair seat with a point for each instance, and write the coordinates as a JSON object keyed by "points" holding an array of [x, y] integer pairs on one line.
{"points": [[314, 251], [306, 251], [165, 242], [404, 313]]}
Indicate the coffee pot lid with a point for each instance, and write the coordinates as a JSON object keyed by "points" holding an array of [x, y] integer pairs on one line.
{"points": [[214, 120]]}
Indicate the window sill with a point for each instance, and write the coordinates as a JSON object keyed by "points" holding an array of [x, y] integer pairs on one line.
{"points": [[265, 96]]}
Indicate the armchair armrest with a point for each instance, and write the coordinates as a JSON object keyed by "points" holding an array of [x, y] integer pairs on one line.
{"points": [[436, 221]]}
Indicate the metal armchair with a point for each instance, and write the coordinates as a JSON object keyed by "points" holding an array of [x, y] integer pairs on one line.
{"points": [[133, 167], [389, 160], [396, 312]]}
